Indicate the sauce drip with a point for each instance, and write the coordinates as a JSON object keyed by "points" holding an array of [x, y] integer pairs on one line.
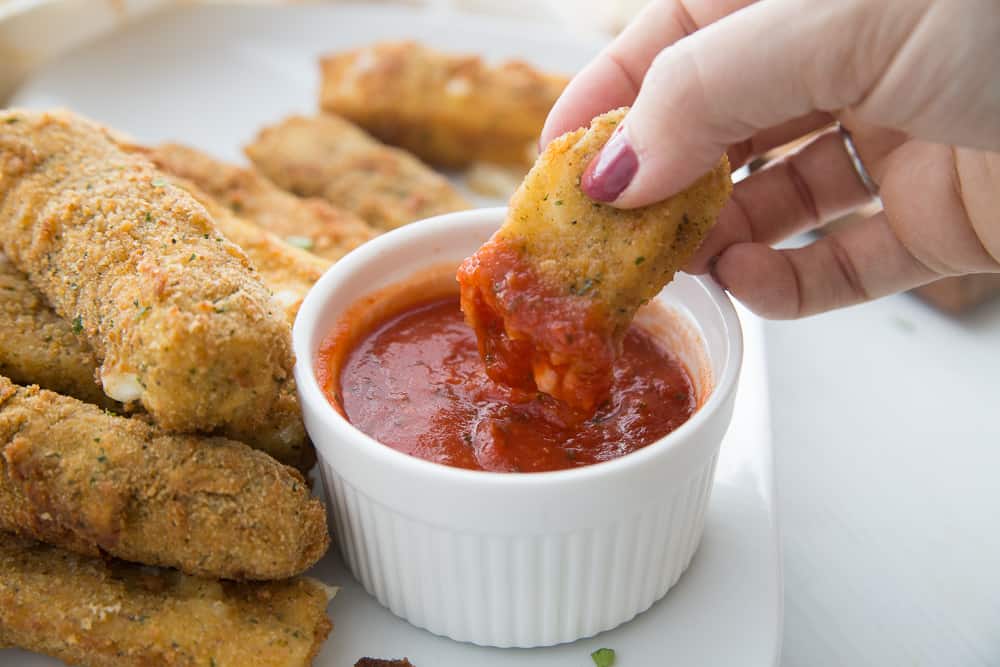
{"points": [[533, 336]]}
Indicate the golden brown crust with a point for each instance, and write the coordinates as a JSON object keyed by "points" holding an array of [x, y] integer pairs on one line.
{"points": [[207, 506], [312, 224], [450, 110], [326, 156], [172, 310], [39, 347], [94, 613], [288, 272], [618, 257]]}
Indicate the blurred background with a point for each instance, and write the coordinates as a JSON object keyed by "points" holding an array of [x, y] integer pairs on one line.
{"points": [[884, 417]]}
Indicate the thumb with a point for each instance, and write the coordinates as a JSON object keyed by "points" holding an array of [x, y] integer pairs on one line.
{"points": [[754, 69]]}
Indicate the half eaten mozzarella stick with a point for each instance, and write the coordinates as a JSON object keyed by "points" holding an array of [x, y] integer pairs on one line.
{"points": [[553, 291]]}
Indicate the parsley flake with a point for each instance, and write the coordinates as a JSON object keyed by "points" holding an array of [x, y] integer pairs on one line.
{"points": [[603, 657], [78, 324], [639, 260], [587, 285], [158, 182]]}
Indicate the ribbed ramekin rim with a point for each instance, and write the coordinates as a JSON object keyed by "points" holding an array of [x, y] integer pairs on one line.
{"points": [[309, 389]]}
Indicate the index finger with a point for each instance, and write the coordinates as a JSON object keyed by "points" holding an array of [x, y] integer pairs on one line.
{"points": [[613, 78]]}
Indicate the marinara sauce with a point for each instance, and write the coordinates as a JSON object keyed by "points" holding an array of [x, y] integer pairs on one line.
{"points": [[416, 383]]}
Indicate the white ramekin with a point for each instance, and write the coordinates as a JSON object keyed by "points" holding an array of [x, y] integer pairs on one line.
{"points": [[506, 559]]}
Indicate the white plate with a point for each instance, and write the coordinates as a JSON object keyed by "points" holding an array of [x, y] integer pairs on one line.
{"points": [[211, 76]]}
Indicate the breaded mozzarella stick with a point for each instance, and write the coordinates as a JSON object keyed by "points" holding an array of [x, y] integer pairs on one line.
{"points": [[326, 156], [172, 310], [553, 291], [39, 347], [95, 613], [206, 506], [449, 110]]}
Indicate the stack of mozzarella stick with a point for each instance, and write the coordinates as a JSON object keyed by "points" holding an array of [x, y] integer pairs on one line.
{"points": [[153, 508], [113, 272]]}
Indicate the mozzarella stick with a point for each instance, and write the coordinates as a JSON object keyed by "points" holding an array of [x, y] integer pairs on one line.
{"points": [[289, 273], [172, 310], [449, 110], [95, 613], [552, 293], [326, 156], [206, 506], [312, 224], [39, 347]]}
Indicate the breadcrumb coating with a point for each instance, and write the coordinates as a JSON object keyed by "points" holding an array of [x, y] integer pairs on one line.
{"points": [[39, 347], [80, 478], [326, 156], [98, 613], [312, 224]]}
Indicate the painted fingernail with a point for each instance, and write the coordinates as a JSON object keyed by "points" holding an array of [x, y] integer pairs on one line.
{"points": [[612, 170]]}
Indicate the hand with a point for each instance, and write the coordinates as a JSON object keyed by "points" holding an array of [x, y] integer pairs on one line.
{"points": [[916, 83]]}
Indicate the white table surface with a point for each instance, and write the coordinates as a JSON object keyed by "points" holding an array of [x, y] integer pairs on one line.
{"points": [[886, 420]]}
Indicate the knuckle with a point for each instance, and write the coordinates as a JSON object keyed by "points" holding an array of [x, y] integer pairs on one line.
{"points": [[848, 269]]}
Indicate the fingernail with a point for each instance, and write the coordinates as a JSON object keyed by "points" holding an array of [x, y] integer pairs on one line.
{"points": [[712, 263], [612, 170]]}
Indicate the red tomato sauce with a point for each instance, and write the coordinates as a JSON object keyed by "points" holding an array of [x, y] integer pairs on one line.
{"points": [[533, 337], [416, 383]]}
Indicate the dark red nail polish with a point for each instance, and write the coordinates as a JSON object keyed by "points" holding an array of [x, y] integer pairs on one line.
{"points": [[611, 171]]}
